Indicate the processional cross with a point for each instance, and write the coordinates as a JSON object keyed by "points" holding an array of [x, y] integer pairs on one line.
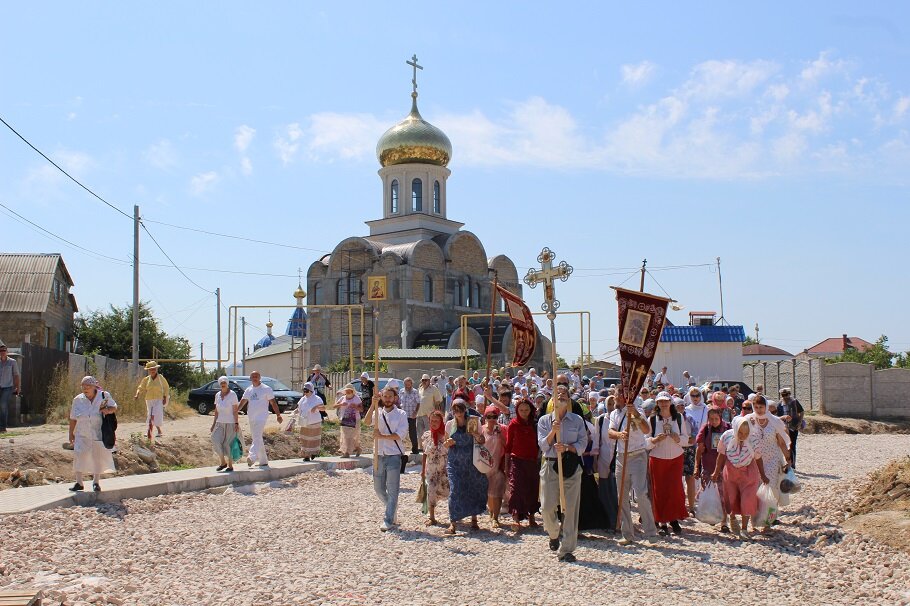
{"points": [[413, 63], [546, 275]]}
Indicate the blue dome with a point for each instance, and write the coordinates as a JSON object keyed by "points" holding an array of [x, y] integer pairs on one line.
{"points": [[264, 342], [297, 324]]}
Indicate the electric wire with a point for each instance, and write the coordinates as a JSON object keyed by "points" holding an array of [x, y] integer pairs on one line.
{"points": [[235, 237], [669, 296], [189, 279], [58, 167]]}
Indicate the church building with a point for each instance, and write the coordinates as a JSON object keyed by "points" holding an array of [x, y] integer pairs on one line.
{"points": [[434, 270]]}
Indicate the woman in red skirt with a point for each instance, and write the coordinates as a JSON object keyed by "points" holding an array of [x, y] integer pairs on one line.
{"points": [[523, 465], [669, 435]]}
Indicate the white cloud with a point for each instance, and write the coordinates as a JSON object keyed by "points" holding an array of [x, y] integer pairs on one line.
{"points": [[637, 74], [243, 136], [346, 136], [719, 79], [724, 119], [161, 155], [822, 67], [288, 142], [203, 182], [901, 107]]}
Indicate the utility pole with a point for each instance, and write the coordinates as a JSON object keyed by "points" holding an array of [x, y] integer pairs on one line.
{"points": [[644, 264], [720, 285], [202, 357], [135, 285], [242, 344], [218, 348]]}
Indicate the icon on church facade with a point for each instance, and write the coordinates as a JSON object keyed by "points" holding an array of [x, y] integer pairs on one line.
{"points": [[377, 290]]}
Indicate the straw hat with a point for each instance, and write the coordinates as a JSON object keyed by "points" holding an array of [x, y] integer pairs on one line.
{"points": [[151, 364]]}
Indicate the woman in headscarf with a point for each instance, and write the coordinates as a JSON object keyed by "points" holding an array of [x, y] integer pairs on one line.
{"points": [[696, 413], [225, 424], [521, 462], [740, 465], [706, 455], [308, 409], [433, 471], [467, 486], [86, 414], [495, 440], [772, 444], [669, 435], [719, 401], [348, 407]]}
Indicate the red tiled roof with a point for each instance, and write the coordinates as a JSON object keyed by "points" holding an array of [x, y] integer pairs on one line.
{"points": [[764, 350], [836, 345]]}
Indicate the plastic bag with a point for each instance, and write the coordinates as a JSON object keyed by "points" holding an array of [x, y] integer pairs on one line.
{"points": [[789, 483], [236, 448], [708, 508], [767, 506], [483, 459]]}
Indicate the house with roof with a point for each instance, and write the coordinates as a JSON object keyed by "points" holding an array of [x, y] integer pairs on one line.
{"points": [[708, 351], [36, 302], [836, 346], [760, 352]]}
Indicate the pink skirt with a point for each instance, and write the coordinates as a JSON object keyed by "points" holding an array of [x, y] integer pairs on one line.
{"points": [[741, 489]]}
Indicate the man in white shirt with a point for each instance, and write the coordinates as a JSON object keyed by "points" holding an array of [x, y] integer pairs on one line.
{"points": [[430, 400], [409, 398], [257, 398], [389, 432], [575, 378], [630, 420], [662, 378]]}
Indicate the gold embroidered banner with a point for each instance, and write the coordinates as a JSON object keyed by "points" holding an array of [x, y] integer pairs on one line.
{"points": [[641, 320], [524, 332]]}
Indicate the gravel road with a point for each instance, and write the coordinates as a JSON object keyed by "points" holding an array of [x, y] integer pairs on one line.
{"points": [[312, 540]]}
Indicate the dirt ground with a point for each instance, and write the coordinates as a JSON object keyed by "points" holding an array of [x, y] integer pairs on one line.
{"points": [[36, 455], [882, 508], [824, 424]]}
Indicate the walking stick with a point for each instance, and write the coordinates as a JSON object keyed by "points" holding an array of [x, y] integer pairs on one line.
{"points": [[625, 459]]}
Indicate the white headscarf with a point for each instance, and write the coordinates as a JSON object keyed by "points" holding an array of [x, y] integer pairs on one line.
{"points": [[698, 412]]}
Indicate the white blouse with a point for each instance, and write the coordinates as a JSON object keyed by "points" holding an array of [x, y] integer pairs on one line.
{"points": [[668, 448], [87, 414], [224, 407]]}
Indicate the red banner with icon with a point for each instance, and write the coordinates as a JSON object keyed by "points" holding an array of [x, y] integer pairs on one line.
{"points": [[524, 332], [641, 321]]}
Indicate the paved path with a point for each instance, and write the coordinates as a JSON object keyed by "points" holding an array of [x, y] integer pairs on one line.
{"points": [[34, 498]]}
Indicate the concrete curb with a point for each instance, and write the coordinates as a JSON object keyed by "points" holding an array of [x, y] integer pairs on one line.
{"points": [[36, 498]]}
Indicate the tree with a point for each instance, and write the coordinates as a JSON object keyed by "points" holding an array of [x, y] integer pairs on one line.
{"points": [[561, 362], [878, 355], [111, 334], [751, 341]]}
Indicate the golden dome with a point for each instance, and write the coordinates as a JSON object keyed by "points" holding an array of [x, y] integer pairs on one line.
{"points": [[299, 293], [414, 140]]}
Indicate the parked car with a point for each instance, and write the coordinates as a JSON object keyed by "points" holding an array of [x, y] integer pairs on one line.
{"points": [[744, 388], [203, 398]]}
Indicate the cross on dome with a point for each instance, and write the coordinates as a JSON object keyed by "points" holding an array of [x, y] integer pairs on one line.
{"points": [[413, 63]]}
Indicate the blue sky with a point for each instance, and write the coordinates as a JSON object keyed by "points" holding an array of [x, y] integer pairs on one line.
{"points": [[775, 137]]}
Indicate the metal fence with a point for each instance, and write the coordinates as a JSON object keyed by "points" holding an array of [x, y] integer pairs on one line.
{"points": [[803, 377]]}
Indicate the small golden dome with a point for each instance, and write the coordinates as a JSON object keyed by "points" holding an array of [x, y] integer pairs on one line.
{"points": [[299, 293], [414, 140]]}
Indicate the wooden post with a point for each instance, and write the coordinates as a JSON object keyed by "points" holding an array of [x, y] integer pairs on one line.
{"points": [[375, 388], [492, 316], [562, 483]]}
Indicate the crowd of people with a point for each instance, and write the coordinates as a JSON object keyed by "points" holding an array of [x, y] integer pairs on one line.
{"points": [[498, 445]]}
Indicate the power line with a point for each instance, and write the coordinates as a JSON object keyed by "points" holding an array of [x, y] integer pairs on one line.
{"points": [[182, 273], [58, 167], [22, 219], [244, 238], [669, 296]]}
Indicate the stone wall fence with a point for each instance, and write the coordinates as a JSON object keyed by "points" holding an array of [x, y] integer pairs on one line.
{"points": [[859, 390]]}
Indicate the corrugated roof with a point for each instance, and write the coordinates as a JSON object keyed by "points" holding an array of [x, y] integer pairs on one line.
{"points": [[703, 334], [26, 281], [423, 354]]}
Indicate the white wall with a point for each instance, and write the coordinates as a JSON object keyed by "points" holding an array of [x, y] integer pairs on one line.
{"points": [[704, 361], [277, 366]]}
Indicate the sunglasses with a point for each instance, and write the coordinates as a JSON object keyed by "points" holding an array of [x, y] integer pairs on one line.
{"points": [[562, 384], [492, 416], [747, 408]]}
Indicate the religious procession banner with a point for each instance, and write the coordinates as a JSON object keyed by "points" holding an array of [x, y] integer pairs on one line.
{"points": [[641, 320], [524, 332]]}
